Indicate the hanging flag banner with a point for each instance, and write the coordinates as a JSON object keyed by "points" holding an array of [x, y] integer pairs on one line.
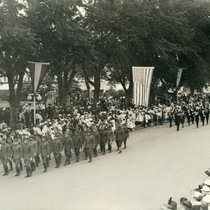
{"points": [[37, 72], [179, 75], [142, 78]]}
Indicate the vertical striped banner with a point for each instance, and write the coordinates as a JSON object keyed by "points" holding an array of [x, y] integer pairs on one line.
{"points": [[142, 78], [37, 72], [179, 75]]}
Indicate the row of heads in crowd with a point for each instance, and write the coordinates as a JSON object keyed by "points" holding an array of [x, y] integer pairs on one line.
{"points": [[200, 198]]}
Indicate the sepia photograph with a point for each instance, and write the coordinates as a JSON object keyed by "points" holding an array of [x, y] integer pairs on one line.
{"points": [[104, 104]]}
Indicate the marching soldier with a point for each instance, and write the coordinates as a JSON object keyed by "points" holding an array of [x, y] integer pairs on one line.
{"points": [[57, 148], [177, 119], [37, 139], [44, 149], [5, 155], [207, 115], [10, 142], [34, 149], [16, 155], [188, 114], [197, 115], [77, 142], [103, 139], [28, 156], [68, 145], [119, 136], [125, 136], [170, 118], [110, 137], [97, 141], [89, 145]]}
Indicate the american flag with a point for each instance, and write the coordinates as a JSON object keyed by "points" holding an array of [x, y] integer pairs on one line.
{"points": [[142, 77]]}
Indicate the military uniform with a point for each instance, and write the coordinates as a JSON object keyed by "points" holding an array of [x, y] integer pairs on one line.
{"points": [[103, 140], [57, 148], [16, 155], [110, 138], [119, 136], [44, 149], [68, 145], [77, 142], [27, 155], [5, 155], [34, 149], [125, 136], [97, 142], [89, 144]]}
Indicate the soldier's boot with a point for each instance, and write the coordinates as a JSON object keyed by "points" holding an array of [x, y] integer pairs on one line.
{"points": [[60, 156], [69, 162], [66, 162], [110, 148], [27, 172], [30, 172], [17, 171], [120, 151], [6, 171], [57, 163], [21, 166], [90, 159], [95, 152], [37, 160], [77, 159], [47, 162], [45, 167], [33, 167], [125, 145], [104, 151], [11, 166]]}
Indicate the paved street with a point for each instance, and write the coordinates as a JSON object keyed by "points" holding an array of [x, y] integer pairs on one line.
{"points": [[158, 163]]}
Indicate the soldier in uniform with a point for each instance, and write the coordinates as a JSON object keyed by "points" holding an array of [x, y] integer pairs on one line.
{"points": [[77, 142], [207, 115], [110, 137], [170, 117], [44, 149], [188, 114], [68, 145], [28, 156], [103, 139], [125, 136], [34, 149], [57, 148], [97, 141], [177, 119], [5, 155], [16, 155], [10, 142], [89, 145], [37, 139], [119, 136], [21, 143], [197, 116]]}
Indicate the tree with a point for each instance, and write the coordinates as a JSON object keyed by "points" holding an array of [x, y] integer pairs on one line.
{"points": [[17, 46], [58, 26]]}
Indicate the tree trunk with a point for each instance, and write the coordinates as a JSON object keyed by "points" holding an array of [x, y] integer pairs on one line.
{"points": [[97, 88], [13, 108]]}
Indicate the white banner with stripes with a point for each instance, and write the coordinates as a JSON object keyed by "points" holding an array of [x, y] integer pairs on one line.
{"points": [[142, 78]]}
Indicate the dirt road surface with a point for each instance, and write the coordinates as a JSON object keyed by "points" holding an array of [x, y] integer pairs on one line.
{"points": [[158, 163]]}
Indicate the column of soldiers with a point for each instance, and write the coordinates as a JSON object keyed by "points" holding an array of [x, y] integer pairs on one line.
{"points": [[193, 114], [27, 150]]}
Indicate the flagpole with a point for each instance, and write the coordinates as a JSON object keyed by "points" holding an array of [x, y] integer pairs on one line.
{"points": [[34, 109]]}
